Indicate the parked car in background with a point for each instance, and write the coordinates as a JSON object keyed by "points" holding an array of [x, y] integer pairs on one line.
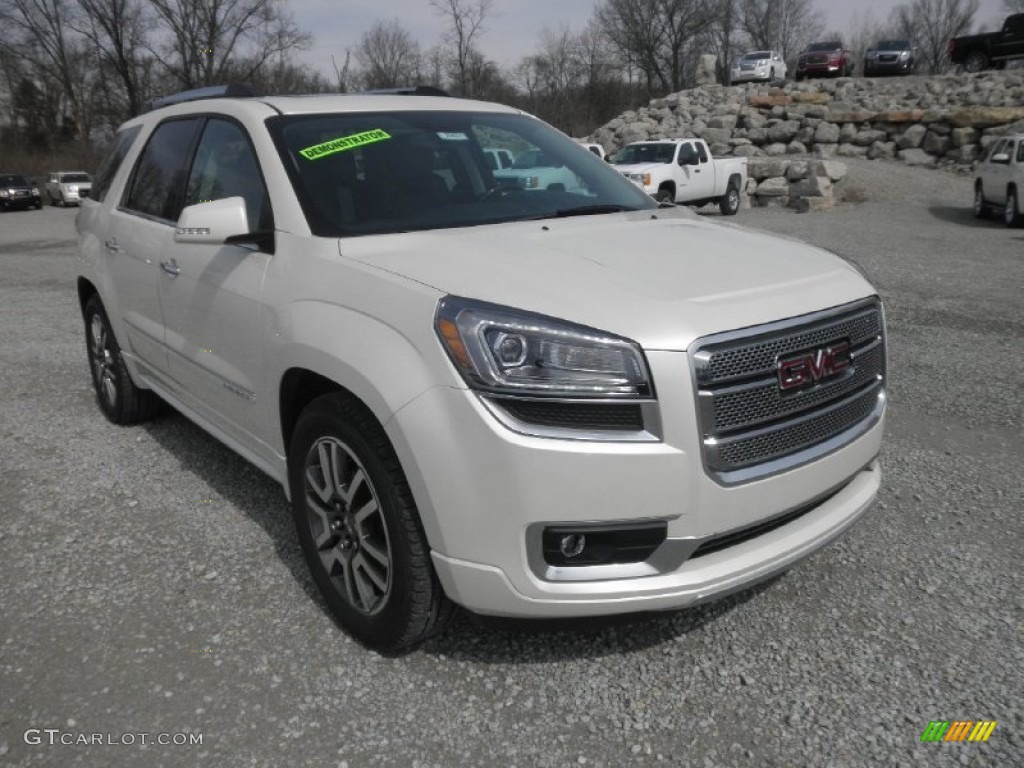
{"points": [[537, 169], [554, 403], [66, 187], [16, 191], [889, 57], [683, 171], [991, 49], [597, 149], [999, 180], [762, 66], [499, 158], [828, 59]]}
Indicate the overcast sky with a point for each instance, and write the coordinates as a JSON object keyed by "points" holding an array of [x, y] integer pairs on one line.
{"points": [[514, 26]]}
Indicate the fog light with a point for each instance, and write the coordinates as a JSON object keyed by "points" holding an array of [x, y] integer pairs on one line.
{"points": [[572, 544]]}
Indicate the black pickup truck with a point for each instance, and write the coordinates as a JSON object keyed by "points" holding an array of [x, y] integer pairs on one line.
{"points": [[992, 49]]}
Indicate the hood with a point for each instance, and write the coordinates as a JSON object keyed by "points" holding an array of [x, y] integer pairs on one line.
{"points": [[638, 167], [661, 277]]}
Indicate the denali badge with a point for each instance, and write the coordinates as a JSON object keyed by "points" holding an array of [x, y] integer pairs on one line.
{"points": [[813, 366]]}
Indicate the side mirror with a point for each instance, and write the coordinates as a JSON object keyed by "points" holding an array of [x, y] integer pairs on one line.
{"points": [[212, 222], [1002, 157]]}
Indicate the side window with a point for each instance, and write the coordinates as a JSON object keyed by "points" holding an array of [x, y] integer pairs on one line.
{"points": [[225, 166], [159, 178], [702, 152], [994, 149], [1020, 151], [108, 168]]}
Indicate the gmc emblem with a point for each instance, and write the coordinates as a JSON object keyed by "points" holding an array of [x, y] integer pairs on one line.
{"points": [[811, 367]]}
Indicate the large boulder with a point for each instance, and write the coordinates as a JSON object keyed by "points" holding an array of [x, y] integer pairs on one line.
{"points": [[916, 157], [774, 187], [783, 131], [826, 133]]}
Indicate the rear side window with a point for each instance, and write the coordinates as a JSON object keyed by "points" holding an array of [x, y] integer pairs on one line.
{"points": [[1020, 152], [158, 184], [108, 169], [702, 153], [225, 166]]}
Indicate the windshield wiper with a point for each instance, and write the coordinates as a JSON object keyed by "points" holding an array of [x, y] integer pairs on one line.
{"points": [[583, 210]]}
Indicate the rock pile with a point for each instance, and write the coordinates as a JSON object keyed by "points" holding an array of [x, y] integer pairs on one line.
{"points": [[921, 120]]}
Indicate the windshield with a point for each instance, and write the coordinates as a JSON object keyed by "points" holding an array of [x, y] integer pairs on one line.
{"points": [[893, 45], [382, 172], [635, 154], [824, 46], [756, 56], [13, 180], [77, 178]]}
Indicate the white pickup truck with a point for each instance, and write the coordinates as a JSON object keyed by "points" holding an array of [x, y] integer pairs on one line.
{"points": [[683, 171]]}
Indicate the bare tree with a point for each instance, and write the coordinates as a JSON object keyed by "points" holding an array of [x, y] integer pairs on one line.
{"points": [[931, 24], [657, 35], [388, 56], [211, 40], [118, 30], [467, 18], [1013, 6], [786, 26], [50, 44], [720, 36]]}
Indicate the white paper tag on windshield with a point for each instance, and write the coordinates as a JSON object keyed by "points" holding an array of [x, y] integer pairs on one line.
{"points": [[453, 136]]}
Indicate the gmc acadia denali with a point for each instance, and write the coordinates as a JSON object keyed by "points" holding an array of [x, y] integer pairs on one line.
{"points": [[551, 402]]}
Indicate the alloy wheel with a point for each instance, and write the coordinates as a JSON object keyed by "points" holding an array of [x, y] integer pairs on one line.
{"points": [[102, 358], [347, 525]]}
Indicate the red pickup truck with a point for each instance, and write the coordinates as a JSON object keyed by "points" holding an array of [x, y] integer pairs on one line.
{"points": [[991, 49]]}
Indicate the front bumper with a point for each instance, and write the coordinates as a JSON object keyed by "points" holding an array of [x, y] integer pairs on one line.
{"points": [[821, 70], [760, 75], [888, 68], [483, 490], [21, 201]]}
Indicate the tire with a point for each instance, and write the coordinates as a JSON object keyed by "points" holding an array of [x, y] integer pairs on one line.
{"points": [[1011, 213], [729, 203], [981, 210], [975, 61], [665, 195], [120, 400], [359, 529]]}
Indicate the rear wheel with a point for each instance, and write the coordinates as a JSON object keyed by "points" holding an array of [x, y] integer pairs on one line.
{"points": [[976, 61], [980, 209], [359, 528], [730, 202], [1011, 213], [665, 195], [120, 400]]}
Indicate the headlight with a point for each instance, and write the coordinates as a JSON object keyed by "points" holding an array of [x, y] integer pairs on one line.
{"points": [[904, 54], [508, 351], [4, 193], [35, 190]]}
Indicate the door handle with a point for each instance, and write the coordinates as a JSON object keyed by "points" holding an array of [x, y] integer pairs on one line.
{"points": [[111, 245], [170, 267], [696, 170]]}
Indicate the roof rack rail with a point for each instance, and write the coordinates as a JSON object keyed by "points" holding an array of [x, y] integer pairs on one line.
{"points": [[208, 92], [408, 90]]}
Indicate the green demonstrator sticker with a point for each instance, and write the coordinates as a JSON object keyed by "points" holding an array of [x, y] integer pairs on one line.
{"points": [[345, 142]]}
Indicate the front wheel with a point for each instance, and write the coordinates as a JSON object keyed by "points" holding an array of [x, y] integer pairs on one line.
{"points": [[120, 400], [730, 202], [976, 61], [980, 209], [665, 195], [359, 528], [1011, 213]]}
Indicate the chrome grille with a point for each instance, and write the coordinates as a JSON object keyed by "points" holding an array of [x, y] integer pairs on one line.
{"points": [[751, 427]]}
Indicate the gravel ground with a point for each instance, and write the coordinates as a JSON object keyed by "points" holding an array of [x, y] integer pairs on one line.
{"points": [[152, 582]]}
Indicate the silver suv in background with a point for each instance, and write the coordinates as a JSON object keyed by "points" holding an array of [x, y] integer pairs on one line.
{"points": [[67, 187], [528, 399], [999, 180]]}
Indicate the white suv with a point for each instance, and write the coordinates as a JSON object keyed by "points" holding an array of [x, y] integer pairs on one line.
{"points": [[999, 180], [544, 403]]}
